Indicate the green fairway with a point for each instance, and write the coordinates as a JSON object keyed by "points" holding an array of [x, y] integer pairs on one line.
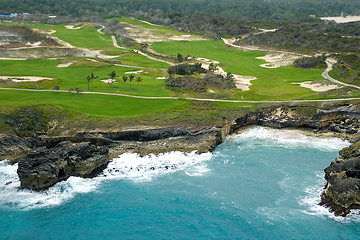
{"points": [[75, 77], [272, 84], [85, 37], [93, 104]]}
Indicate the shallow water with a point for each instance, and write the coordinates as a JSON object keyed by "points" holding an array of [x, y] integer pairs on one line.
{"points": [[264, 184]]}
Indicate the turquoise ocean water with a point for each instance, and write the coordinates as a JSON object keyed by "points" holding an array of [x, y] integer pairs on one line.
{"points": [[264, 184]]}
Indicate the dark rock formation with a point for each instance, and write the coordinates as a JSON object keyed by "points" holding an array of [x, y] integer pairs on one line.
{"points": [[343, 181], [342, 119], [57, 158], [44, 167], [12, 147]]}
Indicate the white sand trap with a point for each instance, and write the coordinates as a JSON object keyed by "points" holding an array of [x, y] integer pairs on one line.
{"points": [[109, 80], [243, 82], [46, 31], [36, 44], [279, 59], [161, 78], [134, 72], [62, 65], [318, 87], [92, 60], [72, 27], [18, 59], [24, 78]]}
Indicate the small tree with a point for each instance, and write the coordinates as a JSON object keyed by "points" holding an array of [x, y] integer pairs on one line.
{"points": [[180, 58], [138, 79], [113, 76], [70, 89], [92, 75], [88, 78], [78, 90], [125, 78], [131, 77], [55, 88], [212, 67]]}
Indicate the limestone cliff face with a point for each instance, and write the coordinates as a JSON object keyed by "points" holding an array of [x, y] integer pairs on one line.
{"points": [[12, 147], [343, 178], [342, 119], [44, 167], [57, 158]]}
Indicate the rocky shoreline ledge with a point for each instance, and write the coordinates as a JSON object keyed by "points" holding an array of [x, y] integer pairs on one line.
{"points": [[44, 161]]}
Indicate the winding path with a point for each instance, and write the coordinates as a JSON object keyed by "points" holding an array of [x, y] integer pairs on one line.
{"points": [[325, 74]]}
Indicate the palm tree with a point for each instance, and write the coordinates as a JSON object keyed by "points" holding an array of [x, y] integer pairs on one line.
{"points": [[131, 77], [125, 78], [88, 78], [112, 75], [92, 75], [138, 79]]}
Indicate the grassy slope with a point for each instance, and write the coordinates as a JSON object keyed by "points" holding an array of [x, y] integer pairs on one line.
{"points": [[98, 105], [85, 37], [272, 84], [73, 77]]}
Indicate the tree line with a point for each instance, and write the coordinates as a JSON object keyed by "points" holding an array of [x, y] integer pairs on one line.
{"points": [[260, 9]]}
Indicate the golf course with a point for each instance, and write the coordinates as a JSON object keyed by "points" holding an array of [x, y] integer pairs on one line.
{"points": [[70, 72]]}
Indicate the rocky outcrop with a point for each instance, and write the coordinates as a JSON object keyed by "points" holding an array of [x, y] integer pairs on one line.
{"points": [[44, 167], [342, 119], [85, 154], [342, 191], [13, 148]]}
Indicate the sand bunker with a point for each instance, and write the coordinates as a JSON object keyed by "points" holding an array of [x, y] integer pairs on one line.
{"points": [[161, 78], [62, 65], [135, 72], [243, 82], [318, 87], [36, 44], [109, 80], [44, 31], [24, 78], [72, 27], [279, 59], [12, 58]]}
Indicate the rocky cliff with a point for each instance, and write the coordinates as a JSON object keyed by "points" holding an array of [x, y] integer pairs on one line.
{"points": [[52, 159], [85, 154], [342, 191]]}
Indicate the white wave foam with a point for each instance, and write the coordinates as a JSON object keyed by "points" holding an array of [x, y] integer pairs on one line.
{"points": [[128, 166], [313, 197], [289, 139]]}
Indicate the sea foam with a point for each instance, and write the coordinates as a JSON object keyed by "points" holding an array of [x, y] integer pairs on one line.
{"points": [[288, 139], [128, 166]]}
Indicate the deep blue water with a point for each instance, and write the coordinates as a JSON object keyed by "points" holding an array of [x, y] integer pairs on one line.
{"points": [[264, 184]]}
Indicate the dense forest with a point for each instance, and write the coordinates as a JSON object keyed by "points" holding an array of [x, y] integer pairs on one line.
{"points": [[310, 36], [259, 9]]}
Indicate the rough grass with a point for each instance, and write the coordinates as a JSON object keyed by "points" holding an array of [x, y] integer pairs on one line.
{"points": [[272, 84]]}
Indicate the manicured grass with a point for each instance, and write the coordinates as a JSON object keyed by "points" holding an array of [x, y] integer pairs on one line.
{"points": [[93, 104], [272, 84], [134, 59], [85, 37], [75, 77]]}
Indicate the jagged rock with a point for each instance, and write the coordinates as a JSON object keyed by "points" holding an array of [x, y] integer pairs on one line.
{"points": [[343, 178], [44, 167], [12, 147]]}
